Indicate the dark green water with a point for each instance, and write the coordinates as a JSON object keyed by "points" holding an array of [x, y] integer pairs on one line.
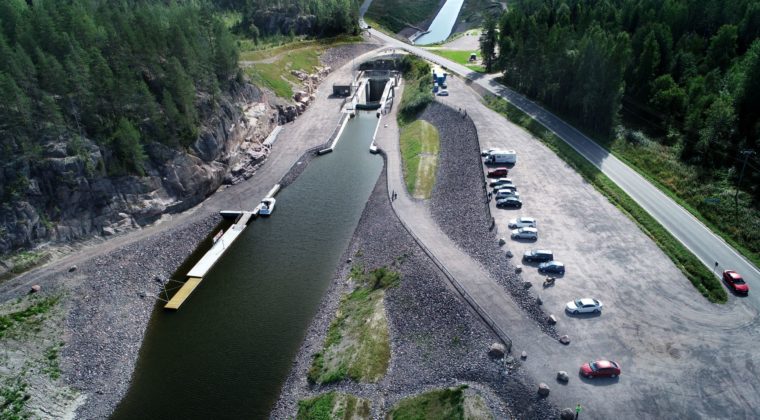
{"points": [[226, 352]]}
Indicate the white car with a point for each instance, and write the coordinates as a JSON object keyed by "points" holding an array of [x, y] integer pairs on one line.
{"points": [[584, 306], [523, 222], [499, 194], [525, 233]]}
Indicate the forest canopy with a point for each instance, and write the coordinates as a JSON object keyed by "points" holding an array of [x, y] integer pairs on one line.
{"points": [[122, 73], [688, 70]]}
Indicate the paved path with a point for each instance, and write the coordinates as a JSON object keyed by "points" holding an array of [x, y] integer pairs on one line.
{"points": [[708, 247]]}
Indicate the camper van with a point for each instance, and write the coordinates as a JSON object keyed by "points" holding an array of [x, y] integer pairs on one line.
{"points": [[502, 156]]}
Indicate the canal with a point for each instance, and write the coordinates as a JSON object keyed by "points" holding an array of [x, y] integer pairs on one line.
{"points": [[227, 351], [443, 23]]}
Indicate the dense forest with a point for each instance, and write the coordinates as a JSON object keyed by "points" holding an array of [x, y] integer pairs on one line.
{"points": [[688, 71], [122, 73], [263, 18]]}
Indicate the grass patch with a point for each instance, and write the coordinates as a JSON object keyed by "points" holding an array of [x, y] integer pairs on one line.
{"points": [[277, 74], [30, 316], [333, 406], [418, 89], [357, 345], [398, 14], [24, 260], [434, 405], [13, 399], [51, 365], [459, 56], [419, 151], [704, 280]]}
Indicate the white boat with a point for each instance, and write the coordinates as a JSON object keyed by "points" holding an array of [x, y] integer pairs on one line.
{"points": [[266, 207]]}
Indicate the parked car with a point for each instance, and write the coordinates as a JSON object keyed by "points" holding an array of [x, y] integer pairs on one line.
{"points": [[498, 172], [552, 267], [538, 255], [522, 222], [600, 368], [525, 233], [443, 92], [507, 202], [735, 281], [584, 306], [500, 181], [501, 156], [506, 192]]}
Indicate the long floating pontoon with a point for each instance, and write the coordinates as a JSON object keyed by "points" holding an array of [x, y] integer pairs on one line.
{"points": [[212, 256]]}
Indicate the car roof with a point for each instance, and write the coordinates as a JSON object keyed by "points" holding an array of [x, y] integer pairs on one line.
{"points": [[529, 229], [733, 274], [587, 301], [542, 251], [603, 364], [555, 263], [526, 219]]}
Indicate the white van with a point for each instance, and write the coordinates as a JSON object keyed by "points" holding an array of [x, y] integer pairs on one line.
{"points": [[506, 156]]}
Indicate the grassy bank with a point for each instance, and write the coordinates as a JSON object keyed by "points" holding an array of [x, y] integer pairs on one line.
{"points": [[333, 406], [459, 56], [449, 403], [272, 67], [693, 269], [357, 345], [397, 14], [419, 152]]}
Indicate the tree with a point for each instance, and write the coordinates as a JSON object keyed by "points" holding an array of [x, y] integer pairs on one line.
{"points": [[668, 98], [722, 47], [127, 149], [648, 63], [488, 40], [717, 133]]}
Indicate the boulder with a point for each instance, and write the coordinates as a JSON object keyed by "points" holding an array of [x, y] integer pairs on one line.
{"points": [[539, 301], [497, 350], [509, 360], [552, 320], [36, 288], [518, 269], [567, 414], [502, 241], [72, 269], [510, 254], [524, 355], [543, 389], [527, 285], [564, 340], [562, 376]]}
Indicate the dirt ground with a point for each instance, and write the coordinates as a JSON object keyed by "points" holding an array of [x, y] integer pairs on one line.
{"points": [[671, 342]]}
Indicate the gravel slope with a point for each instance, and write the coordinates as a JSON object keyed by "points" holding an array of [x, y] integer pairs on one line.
{"points": [[436, 340], [459, 205]]}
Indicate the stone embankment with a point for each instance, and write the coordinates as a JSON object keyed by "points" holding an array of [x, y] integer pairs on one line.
{"points": [[460, 207], [436, 340]]}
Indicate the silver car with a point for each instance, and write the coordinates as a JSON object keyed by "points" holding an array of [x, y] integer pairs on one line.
{"points": [[584, 306], [523, 222], [525, 233]]}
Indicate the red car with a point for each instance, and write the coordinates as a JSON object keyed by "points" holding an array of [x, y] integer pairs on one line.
{"points": [[498, 172], [735, 281], [600, 368]]}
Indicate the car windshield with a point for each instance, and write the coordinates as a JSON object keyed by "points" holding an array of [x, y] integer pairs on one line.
{"points": [[578, 303], [594, 366], [738, 280]]}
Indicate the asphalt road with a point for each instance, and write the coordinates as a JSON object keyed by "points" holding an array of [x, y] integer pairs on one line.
{"points": [[707, 246]]}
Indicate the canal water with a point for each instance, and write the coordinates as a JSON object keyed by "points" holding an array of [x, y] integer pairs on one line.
{"points": [[227, 351], [443, 23]]}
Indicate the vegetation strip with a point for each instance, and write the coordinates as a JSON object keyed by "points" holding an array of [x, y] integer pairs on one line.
{"points": [[459, 56], [333, 406], [419, 150], [693, 269], [357, 345], [438, 404]]}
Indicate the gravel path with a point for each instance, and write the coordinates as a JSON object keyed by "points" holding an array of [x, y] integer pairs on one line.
{"points": [[340, 55], [458, 204], [436, 340]]}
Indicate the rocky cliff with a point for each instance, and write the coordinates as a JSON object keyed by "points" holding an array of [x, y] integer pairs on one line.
{"points": [[69, 196]]}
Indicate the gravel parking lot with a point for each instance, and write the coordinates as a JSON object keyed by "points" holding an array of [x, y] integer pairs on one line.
{"points": [[681, 356]]}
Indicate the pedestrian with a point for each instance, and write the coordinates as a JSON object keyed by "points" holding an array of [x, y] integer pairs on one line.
{"points": [[393, 195], [578, 410], [489, 196]]}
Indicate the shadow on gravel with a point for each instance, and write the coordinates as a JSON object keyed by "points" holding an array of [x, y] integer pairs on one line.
{"points": [[599, 381], [584, 316]]}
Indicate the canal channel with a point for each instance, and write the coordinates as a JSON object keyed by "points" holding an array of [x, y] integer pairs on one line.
{"points": [[442, 24], [227, 351]]}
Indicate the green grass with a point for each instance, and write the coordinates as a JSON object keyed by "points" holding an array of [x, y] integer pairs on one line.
{"points": [[434, 405], [357, 345], [29, 316], [459, 56], [419, 151], [699, 275], [24, 260], [397, 14], [302, 55], [682, 182], [333, 406], [13, 399]]}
